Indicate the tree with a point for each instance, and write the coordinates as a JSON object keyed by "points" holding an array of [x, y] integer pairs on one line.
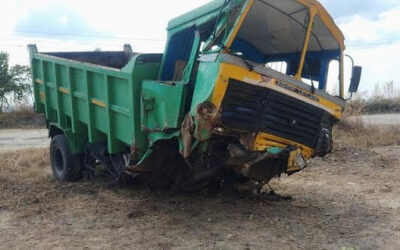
{"points": [[15, 81]]}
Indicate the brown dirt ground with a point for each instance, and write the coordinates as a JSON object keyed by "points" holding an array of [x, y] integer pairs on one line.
{"points": [[349, 200]]}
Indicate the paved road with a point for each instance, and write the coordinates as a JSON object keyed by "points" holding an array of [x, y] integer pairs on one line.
{"points": [[12, 139], [389, 119]]}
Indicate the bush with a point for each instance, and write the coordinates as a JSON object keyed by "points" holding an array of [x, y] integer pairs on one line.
{"points": [[382, 105], [22, 117]]}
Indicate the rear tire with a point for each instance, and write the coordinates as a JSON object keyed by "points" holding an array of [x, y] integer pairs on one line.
{"points": [[66, 166]]}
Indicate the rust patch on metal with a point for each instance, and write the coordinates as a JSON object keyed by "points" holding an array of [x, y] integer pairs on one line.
{"points": [[133, 150], [138, 169], [248, 140], [208, 113], [207, 118], [42, 96], [187, 130]]}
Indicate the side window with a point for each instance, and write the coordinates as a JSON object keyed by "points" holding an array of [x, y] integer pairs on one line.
{"points": [[332, 86], [178, 54], [278, 66]]}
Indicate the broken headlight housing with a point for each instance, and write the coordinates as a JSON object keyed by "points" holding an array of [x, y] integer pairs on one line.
{"points": [[299, 161]]}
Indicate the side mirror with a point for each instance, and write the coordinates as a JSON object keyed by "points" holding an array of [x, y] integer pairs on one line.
{"points": [[355, 79]]}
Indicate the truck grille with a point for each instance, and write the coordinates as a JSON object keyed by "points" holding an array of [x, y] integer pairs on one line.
{"points": [[257, 109]]}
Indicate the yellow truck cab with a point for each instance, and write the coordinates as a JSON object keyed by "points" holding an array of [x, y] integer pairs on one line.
{"points": [[261, 77]]}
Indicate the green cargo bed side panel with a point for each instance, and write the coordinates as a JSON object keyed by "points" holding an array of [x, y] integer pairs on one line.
{"points": [[142, 67], [95, 103]]}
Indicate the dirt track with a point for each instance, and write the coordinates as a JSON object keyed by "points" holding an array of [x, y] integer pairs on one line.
{"points": [[348, 200]]}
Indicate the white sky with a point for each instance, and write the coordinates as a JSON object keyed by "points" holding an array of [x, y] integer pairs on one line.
{"points": [[371, 28]]}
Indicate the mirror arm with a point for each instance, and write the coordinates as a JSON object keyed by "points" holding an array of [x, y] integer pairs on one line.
{"points": [[352, 67], [351, 96], [352, 60]]}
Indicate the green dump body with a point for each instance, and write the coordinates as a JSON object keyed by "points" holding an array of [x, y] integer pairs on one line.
{"points": [[90, 98]]}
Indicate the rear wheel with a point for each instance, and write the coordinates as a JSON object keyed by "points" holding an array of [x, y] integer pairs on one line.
{"points": [[66, 166]]}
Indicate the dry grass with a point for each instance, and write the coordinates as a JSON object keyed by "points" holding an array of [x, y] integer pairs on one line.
{"points": [[352, 131], [38, 212], [22, 117], [27, 184], [368, 136], [26, 164], [21, 168]]}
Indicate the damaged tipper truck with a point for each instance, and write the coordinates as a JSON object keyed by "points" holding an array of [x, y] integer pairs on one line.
{"points": [[240, 94]]}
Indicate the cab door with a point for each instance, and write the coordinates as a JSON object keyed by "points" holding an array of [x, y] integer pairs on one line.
{"points": [[164, 101]]}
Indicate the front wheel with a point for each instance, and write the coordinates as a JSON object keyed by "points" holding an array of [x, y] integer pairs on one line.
{"points": [[325, 142], [66, 166]]}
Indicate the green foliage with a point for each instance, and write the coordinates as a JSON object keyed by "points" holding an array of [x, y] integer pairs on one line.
{"points": [[15, 82], [385, 99], [382, 105]]}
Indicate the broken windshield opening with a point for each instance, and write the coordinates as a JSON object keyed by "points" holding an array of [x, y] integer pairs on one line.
{"points": [[223, 24], [275, 31]]}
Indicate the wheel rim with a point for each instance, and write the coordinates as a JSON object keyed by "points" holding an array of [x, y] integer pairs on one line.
{"points": [[59, 161]]}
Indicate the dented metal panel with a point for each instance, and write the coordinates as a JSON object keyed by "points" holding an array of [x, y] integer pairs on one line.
{"points": [[162, 105]]}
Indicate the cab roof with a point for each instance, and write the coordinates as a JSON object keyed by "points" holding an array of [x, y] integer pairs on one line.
{"points": [[203, 11], [289, 8]]}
